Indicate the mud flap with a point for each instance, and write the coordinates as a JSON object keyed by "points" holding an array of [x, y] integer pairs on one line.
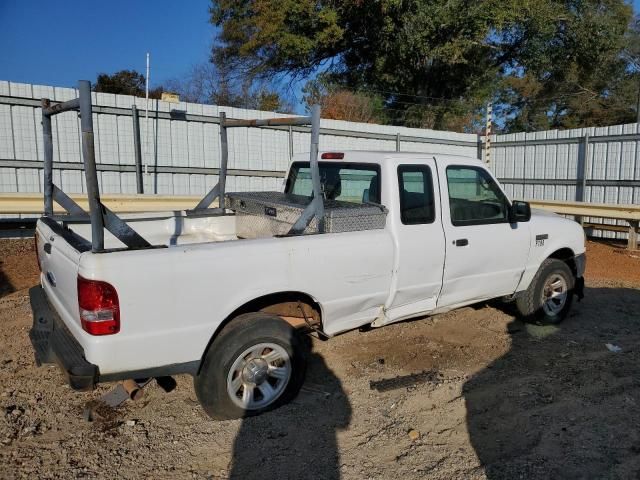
{"points": [[578, 289]]}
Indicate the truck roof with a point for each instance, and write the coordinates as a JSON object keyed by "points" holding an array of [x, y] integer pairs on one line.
{"points": [[374, 156]]}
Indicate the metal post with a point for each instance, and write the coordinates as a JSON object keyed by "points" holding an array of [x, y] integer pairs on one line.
{"points": [[315, 208], [146, 121], [290, 142], [524, 169], [581, 174], [224, 159], [137, 149], [314, 168], [633, 235], [91, 175], [219, 190], [638, 106], [397, 142], [48, 159], [584, 165]]}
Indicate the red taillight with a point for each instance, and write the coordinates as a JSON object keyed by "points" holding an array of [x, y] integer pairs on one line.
{"points": [[35, 242], [332, 156], [99, 307]]}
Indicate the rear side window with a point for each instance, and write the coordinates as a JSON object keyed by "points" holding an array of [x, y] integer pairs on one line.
{"points": [[416, 194], [347, 182]]}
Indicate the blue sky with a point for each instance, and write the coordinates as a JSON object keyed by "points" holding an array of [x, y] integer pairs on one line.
{"points": [[54, 42]]}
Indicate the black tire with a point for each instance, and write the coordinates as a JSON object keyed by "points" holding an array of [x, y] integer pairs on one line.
{"points": [[240, 334], [530, 302]]}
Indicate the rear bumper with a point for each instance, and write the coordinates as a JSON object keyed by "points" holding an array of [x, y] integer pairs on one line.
{"points": [[53, 343]]}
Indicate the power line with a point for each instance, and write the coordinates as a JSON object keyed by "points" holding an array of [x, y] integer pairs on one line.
{"points": [[404, 94], [400, 94], [455, 100]]}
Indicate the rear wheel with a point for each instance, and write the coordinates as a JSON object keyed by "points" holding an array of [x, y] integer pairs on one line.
{"points": [[550, 295], [256, 364]]}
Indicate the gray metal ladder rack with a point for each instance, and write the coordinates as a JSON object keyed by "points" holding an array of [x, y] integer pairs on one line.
{"points": [[101, 217], [316, 205]]}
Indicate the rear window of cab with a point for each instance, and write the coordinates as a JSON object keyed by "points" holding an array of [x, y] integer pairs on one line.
{"points": [[346, 182]]}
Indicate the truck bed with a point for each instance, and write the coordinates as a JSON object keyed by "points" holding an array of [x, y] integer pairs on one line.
{"points": [[250, 215], [168, 228]]}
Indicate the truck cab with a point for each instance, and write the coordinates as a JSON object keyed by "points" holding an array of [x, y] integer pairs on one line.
{"points": [[458, 238]]}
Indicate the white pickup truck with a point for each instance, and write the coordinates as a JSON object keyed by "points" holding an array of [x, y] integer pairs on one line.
{"points": [[219, 296]]}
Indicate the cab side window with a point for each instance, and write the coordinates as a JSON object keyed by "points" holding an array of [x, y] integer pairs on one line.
{"points": [[416, 194], [474, 197]]}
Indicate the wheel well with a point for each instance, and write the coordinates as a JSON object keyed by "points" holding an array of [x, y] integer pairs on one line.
{"points": [[289, 305], [567, 256], [293, 307]]}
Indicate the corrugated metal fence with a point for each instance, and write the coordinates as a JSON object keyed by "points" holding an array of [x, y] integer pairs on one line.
{"points": [[180, 144], [599, 165], [181, 151]]}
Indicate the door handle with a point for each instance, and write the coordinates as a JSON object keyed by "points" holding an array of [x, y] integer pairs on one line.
{"points": [[461, 242]]}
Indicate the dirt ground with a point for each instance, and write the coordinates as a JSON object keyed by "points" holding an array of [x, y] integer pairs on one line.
{"points": [[493, 398]]}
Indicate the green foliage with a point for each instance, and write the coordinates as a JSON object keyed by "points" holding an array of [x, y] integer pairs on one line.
{"points": [[544, 63], [567, 68], [275, 35], [125, 82]]}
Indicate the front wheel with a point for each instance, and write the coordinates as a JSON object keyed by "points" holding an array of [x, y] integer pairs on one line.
{"points": [[255, 364], [550, 294]]}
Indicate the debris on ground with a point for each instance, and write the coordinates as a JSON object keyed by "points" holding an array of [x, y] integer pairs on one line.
{"points": [[613, 348], [405, 381]]}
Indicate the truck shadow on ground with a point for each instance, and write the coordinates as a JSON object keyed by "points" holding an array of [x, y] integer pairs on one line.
{"points": [[5, 285], [560, 404], [297, 440]]}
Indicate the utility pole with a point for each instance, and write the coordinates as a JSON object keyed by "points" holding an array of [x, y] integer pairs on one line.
{"points": [[487, 141], [638, 105], [146, 123]]}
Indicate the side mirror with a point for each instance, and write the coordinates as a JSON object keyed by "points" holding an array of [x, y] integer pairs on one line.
{"points": [[519, 212]]}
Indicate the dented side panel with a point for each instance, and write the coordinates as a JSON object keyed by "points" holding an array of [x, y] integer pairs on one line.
{"points": [[173, 300]]}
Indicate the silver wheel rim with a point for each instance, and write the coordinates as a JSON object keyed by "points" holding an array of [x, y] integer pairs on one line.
{"points": [[554, 294], [259, 376]]}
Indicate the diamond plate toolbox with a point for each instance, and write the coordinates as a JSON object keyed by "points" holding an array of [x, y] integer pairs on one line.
{"points": [[268, 214]]}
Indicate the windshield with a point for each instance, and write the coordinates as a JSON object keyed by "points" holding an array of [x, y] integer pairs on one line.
{"points": [[346, 182]]}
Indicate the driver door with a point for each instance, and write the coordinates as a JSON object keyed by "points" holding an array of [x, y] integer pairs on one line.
{"points": [[485, 254]]}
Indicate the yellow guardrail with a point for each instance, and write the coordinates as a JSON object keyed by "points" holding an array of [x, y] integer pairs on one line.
{"points": [[602, 210], [32, 203], [629, 213]]}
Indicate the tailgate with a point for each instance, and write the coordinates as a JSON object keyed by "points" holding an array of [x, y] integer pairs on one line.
{"points": [[59, 266]]}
